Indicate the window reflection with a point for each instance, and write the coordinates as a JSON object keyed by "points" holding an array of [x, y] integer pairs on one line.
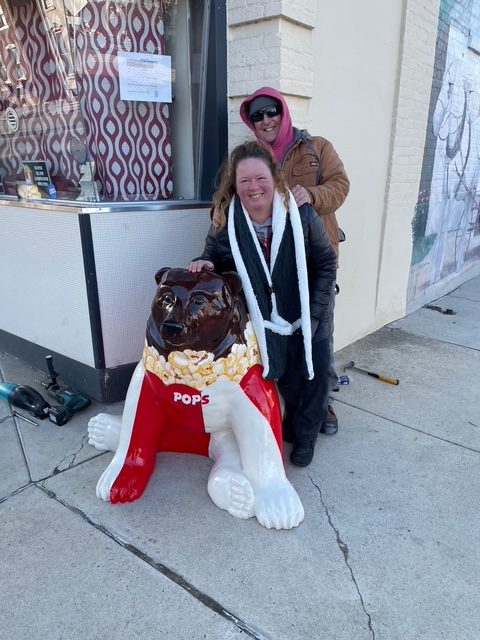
{"points": [[59, 73], [3, 19]]}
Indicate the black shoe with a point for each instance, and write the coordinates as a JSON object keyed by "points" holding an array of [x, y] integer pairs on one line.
{"points": [[330, 426], [302, 453]]}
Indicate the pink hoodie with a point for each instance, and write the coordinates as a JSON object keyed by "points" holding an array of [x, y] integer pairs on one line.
{"points": [[285, 135]]}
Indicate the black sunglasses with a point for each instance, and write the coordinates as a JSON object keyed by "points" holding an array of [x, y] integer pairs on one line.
{"points": [[270, 112]]}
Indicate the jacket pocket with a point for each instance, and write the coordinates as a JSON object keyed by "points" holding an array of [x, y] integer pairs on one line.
{"points": [[308, 166]]}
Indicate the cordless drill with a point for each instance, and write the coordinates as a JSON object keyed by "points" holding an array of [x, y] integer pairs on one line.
{"points": [[70, 401]]}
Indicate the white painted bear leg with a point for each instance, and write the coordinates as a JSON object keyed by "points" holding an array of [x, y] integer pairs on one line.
{"points": [[110, 474], [276, 503], [228, 486], [104, 431]]}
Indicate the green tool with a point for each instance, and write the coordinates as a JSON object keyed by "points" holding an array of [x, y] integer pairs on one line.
{"points": [[70, 401]]}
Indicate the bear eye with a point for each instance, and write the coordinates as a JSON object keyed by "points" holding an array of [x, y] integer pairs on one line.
{"points": [[198, 300], [167, 300]]}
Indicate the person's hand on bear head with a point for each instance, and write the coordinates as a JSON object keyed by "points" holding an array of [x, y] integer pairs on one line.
{"points": [[199, 265]]}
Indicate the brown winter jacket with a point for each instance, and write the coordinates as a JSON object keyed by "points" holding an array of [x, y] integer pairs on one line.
{"points": [[313, 163]]}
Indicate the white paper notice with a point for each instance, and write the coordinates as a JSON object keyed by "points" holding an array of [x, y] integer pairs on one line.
{"points": [[73, 6], [145, 76]]}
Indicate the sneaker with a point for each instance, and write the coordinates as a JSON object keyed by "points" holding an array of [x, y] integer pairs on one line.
{"points": [[302, 453], [330, 426]]}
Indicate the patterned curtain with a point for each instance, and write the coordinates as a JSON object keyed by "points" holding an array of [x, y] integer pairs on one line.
{"points": [[129, 141], [62, 79]]}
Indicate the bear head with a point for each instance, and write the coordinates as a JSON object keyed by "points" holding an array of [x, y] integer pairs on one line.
{"points": [[197, 311]]}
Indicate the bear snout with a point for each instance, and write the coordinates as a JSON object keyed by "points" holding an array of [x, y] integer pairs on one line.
{"points": [[172, 328]]}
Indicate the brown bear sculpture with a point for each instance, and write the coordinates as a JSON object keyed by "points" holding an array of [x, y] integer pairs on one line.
{"points": [[199, 389]]}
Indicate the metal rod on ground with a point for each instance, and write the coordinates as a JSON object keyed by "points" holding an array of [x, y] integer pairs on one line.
{"points": [[14, 414], [379, 376]]}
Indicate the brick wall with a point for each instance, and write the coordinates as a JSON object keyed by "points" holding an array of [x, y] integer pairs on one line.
{"points": [[269, 44]]}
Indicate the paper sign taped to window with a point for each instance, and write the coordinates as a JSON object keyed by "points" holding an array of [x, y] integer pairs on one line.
{"points": [[145, 77], [75, 6]]}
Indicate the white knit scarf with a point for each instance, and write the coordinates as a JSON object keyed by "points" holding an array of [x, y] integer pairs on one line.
{"points": [[275, 323]]}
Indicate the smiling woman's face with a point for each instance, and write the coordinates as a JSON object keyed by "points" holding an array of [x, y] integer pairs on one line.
{"points": [[255, 186]]}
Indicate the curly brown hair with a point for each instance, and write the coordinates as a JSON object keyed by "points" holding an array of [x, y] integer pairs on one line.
{"points": [[228, 171]]}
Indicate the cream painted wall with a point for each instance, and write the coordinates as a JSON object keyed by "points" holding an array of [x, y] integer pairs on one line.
{"points": [[357, 48], [359, 74], [407, 153]]}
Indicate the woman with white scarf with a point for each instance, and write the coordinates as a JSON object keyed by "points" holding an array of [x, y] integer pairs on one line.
{"points": [[287, 266]]}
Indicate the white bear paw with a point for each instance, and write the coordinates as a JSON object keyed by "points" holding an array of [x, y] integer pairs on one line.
{"points": [[107, 479], [232, 491], [278, 506], [104, 431]]}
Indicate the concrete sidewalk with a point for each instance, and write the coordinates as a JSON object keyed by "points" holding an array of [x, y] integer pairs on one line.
{"points": [[388, 549]]}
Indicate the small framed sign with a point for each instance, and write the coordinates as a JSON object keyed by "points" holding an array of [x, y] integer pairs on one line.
{"points": [[37, 183]]}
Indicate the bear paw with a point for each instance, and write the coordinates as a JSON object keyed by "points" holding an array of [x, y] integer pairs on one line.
{"points": [[232, 491], [123, 482], [107, 479], [278, 506], [104, 431]]}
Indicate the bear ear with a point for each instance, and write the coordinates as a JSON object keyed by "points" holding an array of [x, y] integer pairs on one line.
{"points": [[160, 273], [232, 279]]}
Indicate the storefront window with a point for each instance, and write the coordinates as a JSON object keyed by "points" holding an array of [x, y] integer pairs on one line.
{"points": [[111, 100]]}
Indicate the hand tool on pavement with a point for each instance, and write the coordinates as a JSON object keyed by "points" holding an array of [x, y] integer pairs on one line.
{"points": [[71, 401], [29, 399], [26, 398], [351, 365]]}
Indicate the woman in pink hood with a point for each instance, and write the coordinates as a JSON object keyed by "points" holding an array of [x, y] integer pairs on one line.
{"points": [[275, 130], [314, 174]]}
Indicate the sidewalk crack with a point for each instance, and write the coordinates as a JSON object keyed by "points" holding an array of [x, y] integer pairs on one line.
{"points": [[16, 492], [175, 577], [345, 553], [407, 426], [72, 455]]}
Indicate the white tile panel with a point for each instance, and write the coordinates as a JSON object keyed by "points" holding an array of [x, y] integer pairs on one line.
{"points": [[43, 295], [129, 248]]}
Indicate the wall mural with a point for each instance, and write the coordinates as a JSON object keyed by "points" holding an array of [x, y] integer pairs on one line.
{"points": [[446, 224]]}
